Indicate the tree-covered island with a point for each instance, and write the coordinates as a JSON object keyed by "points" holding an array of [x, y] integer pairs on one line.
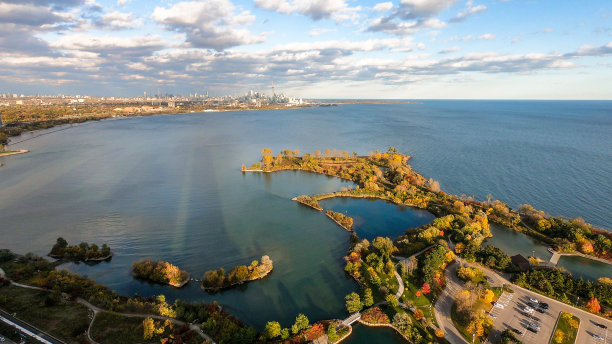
{"points": [[83, 252], [342, 220], [215, 280], [160, 272]]}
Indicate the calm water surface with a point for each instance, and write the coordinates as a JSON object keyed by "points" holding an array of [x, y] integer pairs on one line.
{"points": [[169, 187], [373, 218]]}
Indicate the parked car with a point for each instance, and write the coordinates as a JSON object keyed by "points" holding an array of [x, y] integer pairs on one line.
{"points": [[534, 325], [601, 325], [533, 300], [544, 305], [596, 336], [534, 330], [541, 310], [517, 331], [528, 309]]}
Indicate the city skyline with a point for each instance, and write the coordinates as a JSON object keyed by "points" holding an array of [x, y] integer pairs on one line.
{"points": [[408, 49]]}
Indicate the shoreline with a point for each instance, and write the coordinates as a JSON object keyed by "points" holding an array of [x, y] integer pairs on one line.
{"points": [[215, 290], [579, 254], [163, 283], [21, 151], [61, 259], [339, 224]]}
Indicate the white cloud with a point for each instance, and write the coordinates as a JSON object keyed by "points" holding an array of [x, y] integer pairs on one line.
{"points": [[117, 21], [410, 9], [383, 6], [449, 50], [470, 11], [319, 31], [208, 23], [125, 46], [315, 9], [486, 36], [122, 2]]}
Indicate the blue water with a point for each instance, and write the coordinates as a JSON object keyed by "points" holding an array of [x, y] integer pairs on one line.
{"points": [[373, 218], [169, 187]]}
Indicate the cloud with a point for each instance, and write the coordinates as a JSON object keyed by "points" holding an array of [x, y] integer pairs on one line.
{"points": [[592, 50], [110, 45], [31, 15], [470, 11], [388, 25], [122, 2], [319, 31], [486, 36], [411, 16], [383, 6], [118, 21], [315, 9], [208, 23], [449, 50]]}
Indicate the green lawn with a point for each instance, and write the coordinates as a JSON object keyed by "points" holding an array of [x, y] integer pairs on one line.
{"points": [[66, 320], [410, 290], [564, 325]]}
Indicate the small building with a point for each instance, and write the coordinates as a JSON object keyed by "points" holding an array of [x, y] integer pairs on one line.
{"points": [[521, 262]]}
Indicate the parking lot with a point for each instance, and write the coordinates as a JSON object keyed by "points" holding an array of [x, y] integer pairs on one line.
{"points": [[532, 326]]}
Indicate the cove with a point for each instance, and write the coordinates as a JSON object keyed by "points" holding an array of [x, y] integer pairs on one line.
{"points": [[374, 217], [512, 242]]}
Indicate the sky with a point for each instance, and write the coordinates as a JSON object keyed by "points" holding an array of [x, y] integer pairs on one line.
{"points": [[401, 49]]}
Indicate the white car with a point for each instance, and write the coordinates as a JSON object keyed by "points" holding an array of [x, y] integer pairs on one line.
{"points": [[597, 337], [499, 305], [533, 300], [528, 309]]}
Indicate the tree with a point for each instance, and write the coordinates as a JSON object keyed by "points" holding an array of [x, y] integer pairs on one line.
{"points": [[149, 328], [439, 333], [384, 246], [488, 296], [559, 336], [402, 321], [272, 329], [426, 289], [418, 314], [285, 333], [391, 300], [332, 336], [593, 305], [301, 323], [368, 299], [353, 303]]}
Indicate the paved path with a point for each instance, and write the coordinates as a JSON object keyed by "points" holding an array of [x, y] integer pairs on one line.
{"points": [[351, 319], [28, 329], [443, 306], [96, 310]]}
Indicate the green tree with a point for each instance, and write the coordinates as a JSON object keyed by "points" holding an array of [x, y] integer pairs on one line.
{"points": [[402, 321], [368, 299], [301, 323], [391, 301], [384, 246], [272, 329], [332, 336], [285, 333], [353, 302]]}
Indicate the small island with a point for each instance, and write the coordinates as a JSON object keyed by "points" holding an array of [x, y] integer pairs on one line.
{"points": [[83, 252], [342, 220], [215, 280], [160, 272]]}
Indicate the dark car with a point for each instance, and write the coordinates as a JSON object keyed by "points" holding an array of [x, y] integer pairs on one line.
{"points": [[532, 329], [530, 304], [517, 331], [602, 326], [544, 305], [540, 310]]}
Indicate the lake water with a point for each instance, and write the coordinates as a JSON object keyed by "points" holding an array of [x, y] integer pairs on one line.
{"points": [[170, 188], [373, 218]]}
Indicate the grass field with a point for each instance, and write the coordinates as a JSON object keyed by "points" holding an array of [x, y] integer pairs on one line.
{"points": [[66, 320], [111, 328], [566, 330]]}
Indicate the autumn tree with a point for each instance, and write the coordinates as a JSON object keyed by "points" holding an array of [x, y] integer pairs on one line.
{"points": [[301, 323], [593, 305], [368, 299], [267, 156], [353, 302], [488, 296], [418, 314], [425, 288], [391, 300], [272, 329], [149, 328], [402, 321]]}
